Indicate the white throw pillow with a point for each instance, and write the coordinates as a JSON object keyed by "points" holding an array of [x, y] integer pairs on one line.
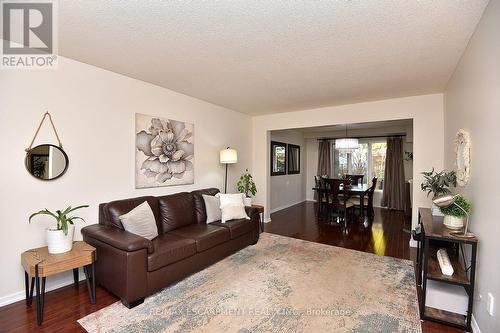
{"points": [[230, 199], [212, 207], [140, 221], [232, 212]]}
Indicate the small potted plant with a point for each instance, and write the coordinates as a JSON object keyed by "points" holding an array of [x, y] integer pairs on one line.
{"points": [[246, 185], [60, 238], [438, 183], [454, 215]]}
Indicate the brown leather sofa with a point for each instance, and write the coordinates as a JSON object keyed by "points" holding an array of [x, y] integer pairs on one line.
{"points": [[132, 267]]}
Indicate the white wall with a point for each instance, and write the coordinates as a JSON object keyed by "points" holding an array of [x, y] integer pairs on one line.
{"points": [[93, 110], [311, 167], [288, 190], [426, 112], [472, 102]]}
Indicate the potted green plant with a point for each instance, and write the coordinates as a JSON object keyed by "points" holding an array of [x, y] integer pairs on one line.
{"points": [[60, 238], [438, 183], [246, 185], [454, 215]]}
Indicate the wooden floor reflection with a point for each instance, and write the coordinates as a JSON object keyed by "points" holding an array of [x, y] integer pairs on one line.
{"points": [[382, 236]]}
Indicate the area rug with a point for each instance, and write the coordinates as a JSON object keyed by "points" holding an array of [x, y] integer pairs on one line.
{"points": [[280, 284]]}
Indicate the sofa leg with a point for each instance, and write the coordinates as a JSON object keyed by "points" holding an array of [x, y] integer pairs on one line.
{"points": [[133, 304]]}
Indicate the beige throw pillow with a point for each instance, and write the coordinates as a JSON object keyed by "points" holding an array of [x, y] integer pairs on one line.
{"points": [[233, 212], [212, 207], [230, 199], [232, 207], [140, 221]]}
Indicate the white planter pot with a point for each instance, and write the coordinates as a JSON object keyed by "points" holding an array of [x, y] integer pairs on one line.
{"points": [[247, 201], [58, 242], [452, 222]]}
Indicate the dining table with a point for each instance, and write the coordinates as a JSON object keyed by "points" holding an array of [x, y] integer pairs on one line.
{"points": [[359, 190]]}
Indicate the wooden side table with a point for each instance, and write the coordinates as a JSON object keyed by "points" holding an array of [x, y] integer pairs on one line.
{"points": [[39, 263], [260, 209]]}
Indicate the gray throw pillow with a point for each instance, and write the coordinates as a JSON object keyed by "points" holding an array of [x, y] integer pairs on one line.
{"points": [[212, 206], [140, 221]]}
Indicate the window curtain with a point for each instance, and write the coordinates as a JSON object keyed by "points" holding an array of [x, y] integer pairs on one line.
{"points": [[394, 177], [324, 160]]}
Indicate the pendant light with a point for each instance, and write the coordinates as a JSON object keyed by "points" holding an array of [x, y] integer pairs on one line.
{"points": [[346, 144]]}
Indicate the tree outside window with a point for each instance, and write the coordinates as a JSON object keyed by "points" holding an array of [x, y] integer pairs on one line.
{"points": [[368, 160]]}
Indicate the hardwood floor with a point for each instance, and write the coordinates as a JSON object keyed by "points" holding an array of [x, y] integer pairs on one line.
{"points": [[384, 237], [63, 307]]}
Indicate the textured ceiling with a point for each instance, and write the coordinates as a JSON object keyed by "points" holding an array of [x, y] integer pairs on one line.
{"points": [[262, 57]]}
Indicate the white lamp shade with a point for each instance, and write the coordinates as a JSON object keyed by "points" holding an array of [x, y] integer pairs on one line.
{"points": [[228, 156], [347, 144]]}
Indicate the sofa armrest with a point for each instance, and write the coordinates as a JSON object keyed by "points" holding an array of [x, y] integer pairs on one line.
{"points": [[118, 238]]}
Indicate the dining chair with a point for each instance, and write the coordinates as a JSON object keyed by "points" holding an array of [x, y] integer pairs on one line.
{"points": [[321, 193], [336, 202], [355, 179], [369, 203]]}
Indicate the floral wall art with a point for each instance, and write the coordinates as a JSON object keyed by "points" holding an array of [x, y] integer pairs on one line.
{"points": [[164, 154]]}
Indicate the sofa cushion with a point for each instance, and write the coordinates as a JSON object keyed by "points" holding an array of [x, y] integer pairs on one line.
{"points": [[237, 227], [114, 209], [169, 249], [199, 204], [176, 211], [205, 235]]}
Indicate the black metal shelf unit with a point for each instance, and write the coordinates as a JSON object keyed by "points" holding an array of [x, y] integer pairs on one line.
{"points": [[434, 236]]}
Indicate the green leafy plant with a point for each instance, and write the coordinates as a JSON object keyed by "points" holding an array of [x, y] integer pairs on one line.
{"points": [[438, 183], [453, 210], [62, 218], [246, 184]]}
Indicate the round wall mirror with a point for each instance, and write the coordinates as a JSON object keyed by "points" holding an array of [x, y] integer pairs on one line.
{"points": [[46, 162]]}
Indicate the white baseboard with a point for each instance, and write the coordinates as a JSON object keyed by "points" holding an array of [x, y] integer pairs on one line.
{"points": [[474, 325], [274, 210], [21, 295]]}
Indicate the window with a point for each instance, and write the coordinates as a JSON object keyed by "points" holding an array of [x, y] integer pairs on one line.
{"points": [[378, 151], [293, 159], [368, 160], [278, 158]]}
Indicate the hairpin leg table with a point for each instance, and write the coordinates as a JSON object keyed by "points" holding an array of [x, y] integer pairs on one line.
{"points": [[38, 264]]}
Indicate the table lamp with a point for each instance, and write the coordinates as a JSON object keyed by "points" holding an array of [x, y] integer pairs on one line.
{"points": [[228, 156], [447, 200]]}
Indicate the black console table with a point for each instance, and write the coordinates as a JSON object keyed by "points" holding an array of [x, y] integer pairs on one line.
{"points": [[433, 237]]}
